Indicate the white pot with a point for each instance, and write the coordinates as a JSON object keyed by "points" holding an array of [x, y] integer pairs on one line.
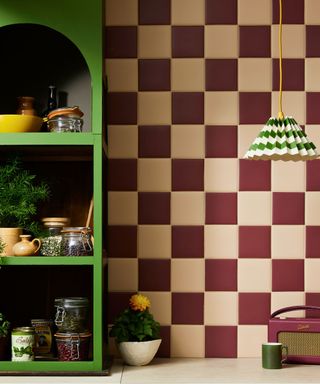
{"points": [[138, 352]]}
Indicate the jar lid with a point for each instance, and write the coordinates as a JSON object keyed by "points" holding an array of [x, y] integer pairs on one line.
{"points": [[55, 221], [72, 335], [41, 322], [66, 111], [76, 229], [71, 302], [23, 330]]}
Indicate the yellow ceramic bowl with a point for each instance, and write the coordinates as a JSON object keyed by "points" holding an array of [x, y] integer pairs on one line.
{"points": [[20, 123]]}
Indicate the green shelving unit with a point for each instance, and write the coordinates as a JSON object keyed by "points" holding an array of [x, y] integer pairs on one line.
{"points": [[59, 42]]}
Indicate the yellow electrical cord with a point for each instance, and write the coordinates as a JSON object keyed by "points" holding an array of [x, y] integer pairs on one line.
{"points": [[280, 114]]}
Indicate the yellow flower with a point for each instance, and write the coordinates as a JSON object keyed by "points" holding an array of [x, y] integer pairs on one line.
{"points": [[139, 302]]}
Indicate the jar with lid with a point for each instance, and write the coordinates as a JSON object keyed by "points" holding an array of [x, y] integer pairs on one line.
{"points": [[22, 344], [51, 244], [71, 314], [43, 336], [76, 241], [65, 124], [73, 346]]}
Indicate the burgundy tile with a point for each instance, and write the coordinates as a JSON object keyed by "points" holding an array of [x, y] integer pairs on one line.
{"points": [[313, 298], [154, 207], [121, 42], [187, 241], [187, 107], [313, 110], [254, 308], [221, 208], [221, 12], [154, 12], [292, 11], [255, 107], [154, 75], [221, 341], [216, 138], [188, 41], [255, 242], [165, 346], [154, 275], [287, 275], [255, 175], [122, 175], [255, 41], [187, 308], [154, 141], [288, 208], [221, 275], [313, 175], [122, 241], [293, 74], [187, 174], [221, 75], [312, 242], [116, 303], [122, 108], [312, 40]]}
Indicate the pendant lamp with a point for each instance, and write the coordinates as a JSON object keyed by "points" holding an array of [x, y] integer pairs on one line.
{"points": [[281, 138]]}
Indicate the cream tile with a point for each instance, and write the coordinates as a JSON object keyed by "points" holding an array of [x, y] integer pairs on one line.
{"points": [[221, 308], [123, 208], [221, 175], [154, 241], [188, 12], [253, 12], [254, 275], [288, 241], [121, 12], [255, 74], [221, 41], [123, 274], [221, 108], [311, 275], [154, 175], [187, 208], [154, 42], [293, 41], [154, 108], [313, 134], [221, 241], [312, 12], [187, 75], [160, 306], [122, 141], [188, 141], [246, 135], [287, 299], [312, 208], [122, 75], [254, 208], [294, 105], [312, 75], [288, 176], [250, 339], [187, 275], [187, 341]]}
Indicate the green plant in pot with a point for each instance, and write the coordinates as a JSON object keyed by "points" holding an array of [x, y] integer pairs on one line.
{"points": [[136, 332], [4, 336], [20, 194]]}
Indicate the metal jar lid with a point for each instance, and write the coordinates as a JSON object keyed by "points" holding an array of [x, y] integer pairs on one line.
{"points": [[23, 330], [71, 302], [66, 112]]}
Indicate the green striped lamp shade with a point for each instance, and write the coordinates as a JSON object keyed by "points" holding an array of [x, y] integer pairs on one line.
{"points": [[282, 139]]}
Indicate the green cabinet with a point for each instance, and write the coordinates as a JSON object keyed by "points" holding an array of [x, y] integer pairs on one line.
{"points": [[59, 42]]}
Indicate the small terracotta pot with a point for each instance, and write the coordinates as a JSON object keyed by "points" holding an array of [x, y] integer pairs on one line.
{"points": [[10, 236], [26, 247]]}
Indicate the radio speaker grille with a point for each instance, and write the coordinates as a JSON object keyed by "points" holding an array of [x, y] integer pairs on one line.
{"points": [[301, 343]]}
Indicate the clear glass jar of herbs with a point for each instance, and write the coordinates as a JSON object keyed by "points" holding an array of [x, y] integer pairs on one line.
{"points": [[76, 241], [71, 314], [51, 242]]}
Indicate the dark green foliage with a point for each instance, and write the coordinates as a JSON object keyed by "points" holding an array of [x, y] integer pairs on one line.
{"points": [[4, 326], [135, 326], [19, 196]]}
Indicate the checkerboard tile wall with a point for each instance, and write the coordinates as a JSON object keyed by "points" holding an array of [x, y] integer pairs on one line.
{"points": [[217, 242]]}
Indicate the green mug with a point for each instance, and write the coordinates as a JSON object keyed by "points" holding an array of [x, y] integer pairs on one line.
{"points": [[272, 357]]}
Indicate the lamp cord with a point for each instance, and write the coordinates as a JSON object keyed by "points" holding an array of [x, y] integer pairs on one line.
{"points": [[280, 114]]}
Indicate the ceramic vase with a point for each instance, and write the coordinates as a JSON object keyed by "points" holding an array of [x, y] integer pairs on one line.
{"points": [[138, 352], [10, 236]]}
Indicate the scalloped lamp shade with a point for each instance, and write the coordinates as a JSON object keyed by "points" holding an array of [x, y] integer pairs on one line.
{"points": [[282, 140]]}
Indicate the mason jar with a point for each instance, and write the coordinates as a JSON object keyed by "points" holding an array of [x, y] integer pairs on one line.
{"points": [[71, 314], [76, 241]]}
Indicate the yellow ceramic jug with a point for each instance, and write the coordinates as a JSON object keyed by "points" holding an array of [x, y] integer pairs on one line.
{"points": [[25, 247]]}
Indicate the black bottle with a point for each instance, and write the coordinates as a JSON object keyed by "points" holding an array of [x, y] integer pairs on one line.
{"points": [[52, 99]]}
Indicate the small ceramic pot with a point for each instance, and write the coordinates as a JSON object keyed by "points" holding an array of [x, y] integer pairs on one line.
{"points": [[25, 247], [138, 352], [9, 236]]}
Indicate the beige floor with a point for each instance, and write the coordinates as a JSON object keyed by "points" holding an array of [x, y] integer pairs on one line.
{"points": [[189, 371]]}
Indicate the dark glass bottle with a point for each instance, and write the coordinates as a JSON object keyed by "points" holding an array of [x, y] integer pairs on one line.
{"points": [[52, 99]]}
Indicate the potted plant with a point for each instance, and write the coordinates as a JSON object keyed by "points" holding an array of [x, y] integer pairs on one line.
{"points": [[4, 333], [136, 332], [19, 196]]}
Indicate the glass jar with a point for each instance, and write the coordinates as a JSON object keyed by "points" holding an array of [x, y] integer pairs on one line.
{"points": [[76, 241], [51, 244], [71, 314], [65, 124], [22, 344], [43, 336], [73, 346]]}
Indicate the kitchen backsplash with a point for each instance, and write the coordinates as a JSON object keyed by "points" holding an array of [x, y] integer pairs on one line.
{"points": [[215, 241]]}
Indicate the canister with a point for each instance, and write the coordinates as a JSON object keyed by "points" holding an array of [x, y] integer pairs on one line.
{"points": [[43, 336], [73, 346], [71, 314], [22, 344]]}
